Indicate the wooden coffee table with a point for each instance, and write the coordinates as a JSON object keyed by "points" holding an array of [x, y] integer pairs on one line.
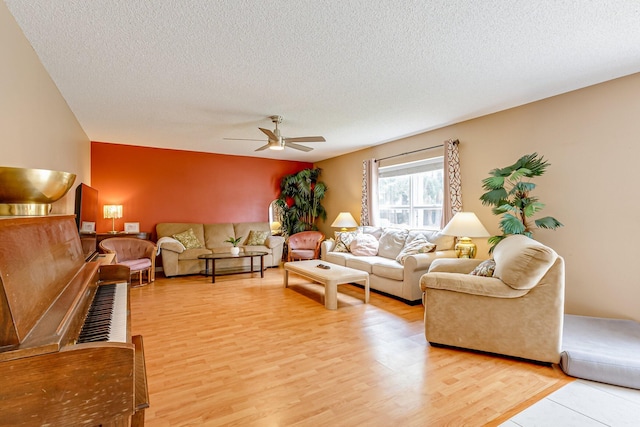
{"points": [[213, 257], [330, 278]]}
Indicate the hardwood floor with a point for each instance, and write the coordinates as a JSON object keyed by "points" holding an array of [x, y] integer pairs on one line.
{"points": [[246, 351]]}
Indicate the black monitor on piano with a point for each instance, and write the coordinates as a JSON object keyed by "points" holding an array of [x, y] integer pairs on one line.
{"points": [[86, 218]]}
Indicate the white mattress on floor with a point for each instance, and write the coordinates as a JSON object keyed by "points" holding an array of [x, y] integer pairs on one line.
{"points": [[604, 350]]}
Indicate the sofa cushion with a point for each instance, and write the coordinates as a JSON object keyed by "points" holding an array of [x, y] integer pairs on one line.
{"points": [[419, 245], [243, 229], [193, 253], [362, 263], [168, 229], [392, 242], [257, 237], [521, 261], [257, 248], [137, 264], [188, 239], [364, 245], [369, 229], [388, 268], [441, 241], [216, 234], [343, 240], [339, 258], [474, 285]]}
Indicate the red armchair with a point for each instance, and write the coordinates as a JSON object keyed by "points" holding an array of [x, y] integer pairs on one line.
{"points": [[304, 245]]}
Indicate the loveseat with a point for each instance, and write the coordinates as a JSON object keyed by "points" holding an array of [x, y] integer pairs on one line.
{"points": [[395, 258], [179, 250]]}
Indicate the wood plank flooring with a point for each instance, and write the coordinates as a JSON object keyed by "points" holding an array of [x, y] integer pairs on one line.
{"points": [[246, 351]]}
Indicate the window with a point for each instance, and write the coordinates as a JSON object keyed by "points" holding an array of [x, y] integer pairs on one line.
{"points": [[410, 194]]}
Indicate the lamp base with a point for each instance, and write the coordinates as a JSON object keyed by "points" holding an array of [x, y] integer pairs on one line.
{"points": [[465, 248]]}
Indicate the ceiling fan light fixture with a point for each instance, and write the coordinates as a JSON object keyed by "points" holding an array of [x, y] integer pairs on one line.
{"points": [[277, 142]]}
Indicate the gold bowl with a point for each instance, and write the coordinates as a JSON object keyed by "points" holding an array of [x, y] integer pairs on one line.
{"points": [[31, 191]]}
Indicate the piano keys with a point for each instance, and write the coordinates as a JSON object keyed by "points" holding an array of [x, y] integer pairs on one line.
{"points": [[105, 320], [49, 375]]}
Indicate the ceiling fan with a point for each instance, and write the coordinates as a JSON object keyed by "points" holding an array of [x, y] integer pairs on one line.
{"points": [[278, 142]]}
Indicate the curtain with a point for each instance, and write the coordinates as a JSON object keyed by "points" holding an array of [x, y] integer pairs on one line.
{"points": [[369, 209], [452, 202]]}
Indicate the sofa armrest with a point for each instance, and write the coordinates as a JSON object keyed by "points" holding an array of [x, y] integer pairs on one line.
{"points": [[455, 265], [176, 247], [274, 241], [419, 262], [469, 284], [325, 247]]}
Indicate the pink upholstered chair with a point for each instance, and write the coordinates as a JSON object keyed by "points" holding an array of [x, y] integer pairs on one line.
{"points": [[139, 255], [304, 245]]}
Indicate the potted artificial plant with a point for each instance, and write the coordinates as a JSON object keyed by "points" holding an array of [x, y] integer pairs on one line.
{"points": [[508, 190], [300, 201], [235, 250]]}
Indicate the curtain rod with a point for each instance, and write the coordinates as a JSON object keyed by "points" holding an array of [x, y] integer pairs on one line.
{"points": [[409, 152]]}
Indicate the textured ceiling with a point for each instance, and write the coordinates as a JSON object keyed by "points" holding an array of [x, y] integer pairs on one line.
{"points": [[185, 74]]}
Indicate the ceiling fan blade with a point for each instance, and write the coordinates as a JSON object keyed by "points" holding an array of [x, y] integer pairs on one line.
{"points": [[297, 146], [270, 134], [306, 139], [264, 147], [242, 139]]}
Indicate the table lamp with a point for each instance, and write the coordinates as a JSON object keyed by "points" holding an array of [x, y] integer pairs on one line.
{"points": [[113, 212], [344, 221], [465, 225]]}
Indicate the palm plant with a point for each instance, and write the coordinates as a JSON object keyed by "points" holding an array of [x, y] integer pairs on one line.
{"points": [[300, 201], [510, 195]]}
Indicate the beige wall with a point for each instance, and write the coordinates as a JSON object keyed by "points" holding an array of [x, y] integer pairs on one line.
{"points": [[37, 128], [591, 138]]}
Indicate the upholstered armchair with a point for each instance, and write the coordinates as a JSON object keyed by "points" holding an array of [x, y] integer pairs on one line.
{"points": [[139, 255], [304, 245], [517, 311]]}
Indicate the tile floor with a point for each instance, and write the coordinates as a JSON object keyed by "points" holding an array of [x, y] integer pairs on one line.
{"points": [[583, 403]]}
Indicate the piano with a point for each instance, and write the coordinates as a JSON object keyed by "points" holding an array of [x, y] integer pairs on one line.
{"points": [[67, 356]]}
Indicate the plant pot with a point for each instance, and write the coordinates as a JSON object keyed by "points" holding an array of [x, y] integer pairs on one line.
{"points": [[235, 250]]}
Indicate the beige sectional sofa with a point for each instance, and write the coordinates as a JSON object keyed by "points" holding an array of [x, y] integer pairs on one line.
{"points": [[387, 272], [178, 260]]}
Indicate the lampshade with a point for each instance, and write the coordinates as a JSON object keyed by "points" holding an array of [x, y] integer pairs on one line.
{"points": [[276, 227], [112, 211], [344, 221], [465, 224]]}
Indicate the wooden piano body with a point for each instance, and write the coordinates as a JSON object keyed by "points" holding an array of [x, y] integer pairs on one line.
{"points": [[46, 377]]}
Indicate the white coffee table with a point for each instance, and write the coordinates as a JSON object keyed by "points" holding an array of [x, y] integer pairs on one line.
{"points": [[330, 278]]}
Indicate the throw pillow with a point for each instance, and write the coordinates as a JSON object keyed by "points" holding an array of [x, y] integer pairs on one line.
{"points": [[419, 245], [257, 238], [188, 239], [343, 240], [364, 245], [485, 268], [391, 242]]}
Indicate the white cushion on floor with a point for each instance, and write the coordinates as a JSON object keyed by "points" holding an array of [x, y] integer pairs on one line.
{"points": [[604, 350]]}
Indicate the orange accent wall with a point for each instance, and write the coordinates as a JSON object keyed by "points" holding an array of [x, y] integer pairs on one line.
{"points": [[160, 185]]}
